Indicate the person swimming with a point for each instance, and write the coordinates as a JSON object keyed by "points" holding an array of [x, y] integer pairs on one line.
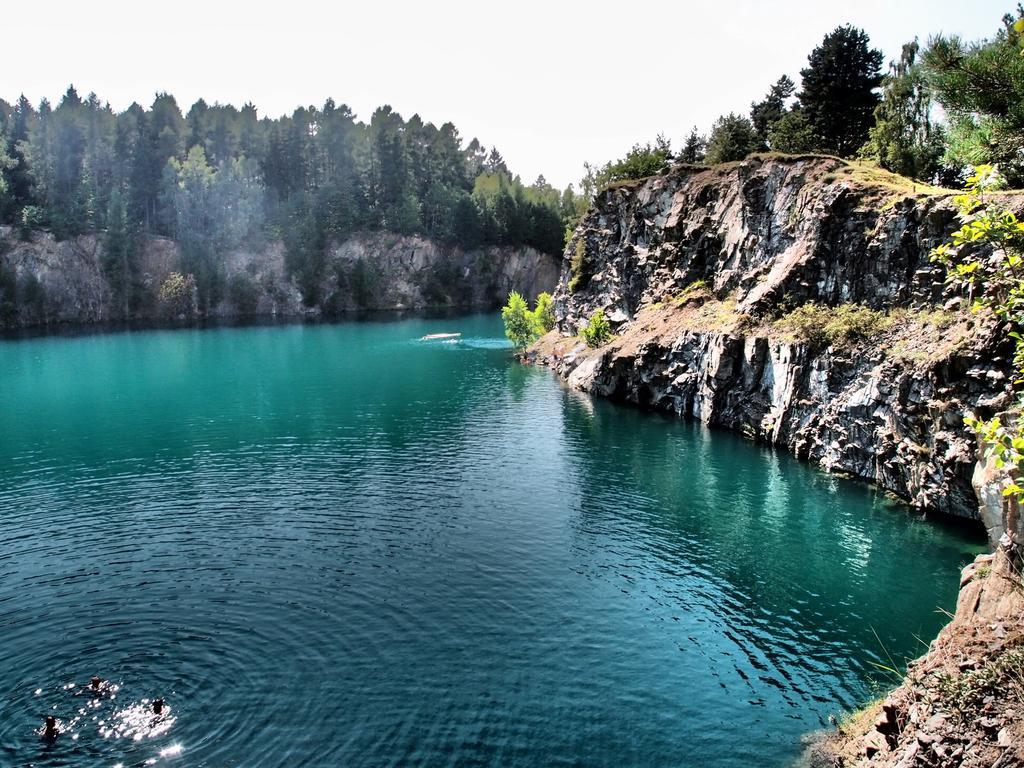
{"points": [[50, 731], [158, 706], [97, 687]]}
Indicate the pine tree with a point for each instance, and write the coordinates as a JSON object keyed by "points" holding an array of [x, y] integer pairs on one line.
{"points": [[732, 138], [839, 95], [694, 148], [766, 113]]}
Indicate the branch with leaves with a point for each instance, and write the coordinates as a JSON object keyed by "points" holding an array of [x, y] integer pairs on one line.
{"points": [[985, 259]]}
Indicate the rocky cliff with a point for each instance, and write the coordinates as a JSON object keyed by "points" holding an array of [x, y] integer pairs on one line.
{"points": [[961, 704], [791, 299], [66, 282]]}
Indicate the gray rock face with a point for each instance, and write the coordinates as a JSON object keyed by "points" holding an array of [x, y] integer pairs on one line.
{"points": [[766, 230], [896, 425], [64, 282], [769, 234]]}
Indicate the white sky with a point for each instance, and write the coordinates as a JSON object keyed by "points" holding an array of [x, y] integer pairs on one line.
{"points": [[552, 84]]}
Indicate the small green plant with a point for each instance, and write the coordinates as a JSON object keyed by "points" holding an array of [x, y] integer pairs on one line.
{"points": [[579, 267], [597, 331], [964, 693], [696, 291]]}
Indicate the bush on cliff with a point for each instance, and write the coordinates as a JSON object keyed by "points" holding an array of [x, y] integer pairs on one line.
{"points": [[833, 326], [597, 330], [985, 259]]}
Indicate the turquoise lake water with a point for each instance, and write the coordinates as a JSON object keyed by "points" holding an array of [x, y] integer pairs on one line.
{"points": [[339, 545]]}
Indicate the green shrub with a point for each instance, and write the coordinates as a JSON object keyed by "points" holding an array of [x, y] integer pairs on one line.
{"points": [[597, 331], [695, 291], [544, 313], [177, 294], [523, 327], [833, 326], [520, 326]]}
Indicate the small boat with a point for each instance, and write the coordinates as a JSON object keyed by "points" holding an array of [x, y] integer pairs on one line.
{"points": [[435, 336]]}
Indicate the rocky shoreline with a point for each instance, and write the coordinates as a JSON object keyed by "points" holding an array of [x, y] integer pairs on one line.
{"points": [[962, 703]]}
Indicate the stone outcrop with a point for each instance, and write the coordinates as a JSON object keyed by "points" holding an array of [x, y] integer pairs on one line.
{"points": [[694, 269], [65, 281]]}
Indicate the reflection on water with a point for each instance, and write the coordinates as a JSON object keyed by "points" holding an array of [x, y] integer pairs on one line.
{"points": [[334, 545], [94, 721]]}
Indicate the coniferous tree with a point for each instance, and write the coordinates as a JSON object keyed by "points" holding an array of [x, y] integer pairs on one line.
{"points": [[981, 88], [732, 138], [694, 148], [219, 177], [839, 91], [766, 113]]}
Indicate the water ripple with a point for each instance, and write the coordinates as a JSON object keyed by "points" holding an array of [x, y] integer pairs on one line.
{"points": [[339, 545]]}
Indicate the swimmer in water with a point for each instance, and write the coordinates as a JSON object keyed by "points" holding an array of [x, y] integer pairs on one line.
{"points": [[97, 686], [158, 706], [50, 731]]}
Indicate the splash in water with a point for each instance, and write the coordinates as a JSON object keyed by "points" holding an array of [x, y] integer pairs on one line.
{"points": [[137, 722]]}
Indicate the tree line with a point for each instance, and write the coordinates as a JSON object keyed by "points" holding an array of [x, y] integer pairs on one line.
{"points": [[847, 106], [218, 177]]}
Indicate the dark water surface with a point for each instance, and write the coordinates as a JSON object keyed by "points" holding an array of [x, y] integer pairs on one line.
{"points": [[338, 545]]}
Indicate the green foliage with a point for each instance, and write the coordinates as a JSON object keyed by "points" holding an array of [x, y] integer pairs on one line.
{"points": [[766, 113], [119, 254], [177, 295], [694, 148], [981, 87], [544, 313], [639, 163], [523, 326], [597, 331], [244, 293], [793, 133], [219, 178], [732, 138], [833, 326], [903, 139], [30, 218], [985, 259], [520, 327], [1001, 676], [698, 290], [838, 94], [579, 267], [8, 295], [7, 163], [363, 283]]}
